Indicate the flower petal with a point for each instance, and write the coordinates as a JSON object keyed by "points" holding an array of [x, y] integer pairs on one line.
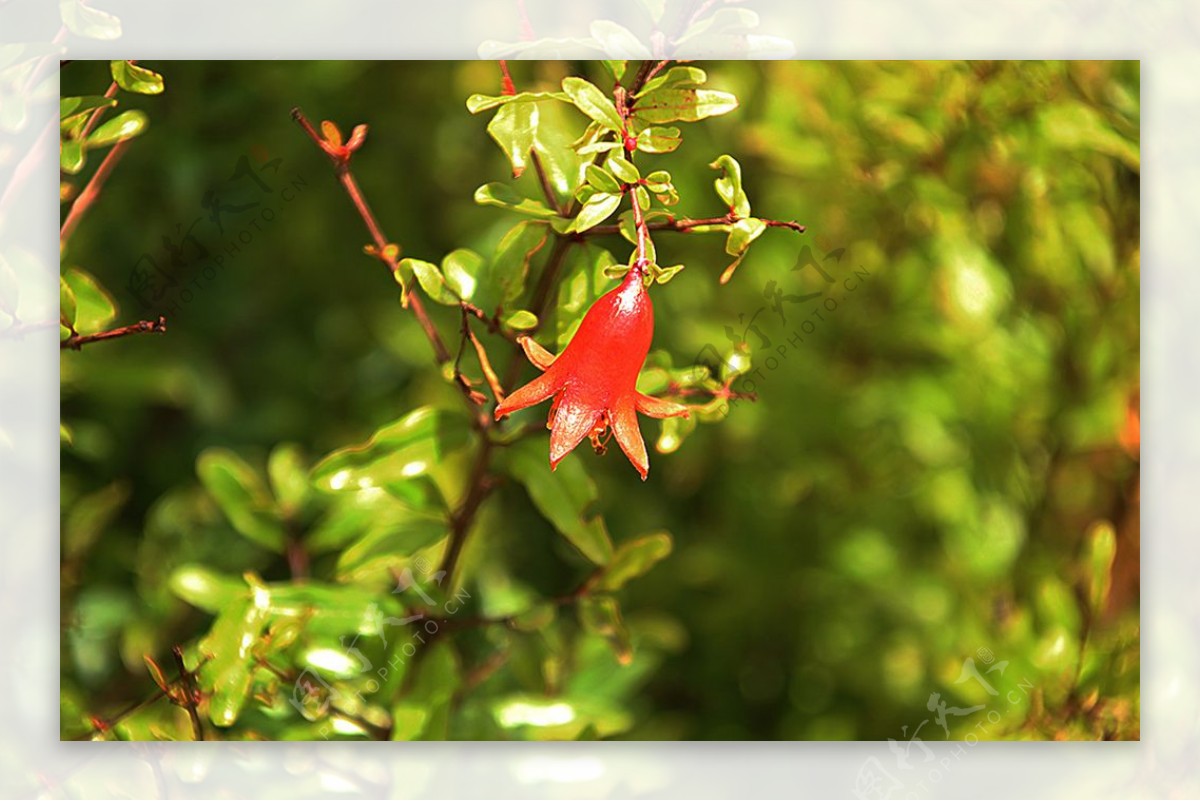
{"points": [[658, 407], [629, 436], [541, 358], [535, 391], [573, 421]]}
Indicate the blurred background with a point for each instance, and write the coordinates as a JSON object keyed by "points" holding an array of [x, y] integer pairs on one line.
{"points": [[927, 522]]}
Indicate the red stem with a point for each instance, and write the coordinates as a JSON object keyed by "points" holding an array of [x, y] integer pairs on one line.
{"points": [[77, 341]]}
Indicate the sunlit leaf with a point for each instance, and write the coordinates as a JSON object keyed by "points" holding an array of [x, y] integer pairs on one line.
{"points": [[729, 185], [463, 269], [617, 40], [132, 78], [598, 208], [125, 125], [207, 589], [674, 78], [75, 109], [659, 139], [430, 277], [94, 306], [404, 449], [477, 103], [592, 102], [683, 105], [504, 196]]}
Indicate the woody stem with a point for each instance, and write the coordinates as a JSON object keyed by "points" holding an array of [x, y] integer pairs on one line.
{"points": [[346, 177]]}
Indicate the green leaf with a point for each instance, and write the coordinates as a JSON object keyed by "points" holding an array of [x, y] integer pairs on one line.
{"points": [[405, 538], [583, 281], [642, 197], [515, 129], [511, 263], [597, 147], [623, 169], [65, 434], [89, 517], [1101, 551], [659, 181], [288, 474], [601, 179], [90, 23], [242, 496], [431, 280], [354, 515], [675, 77], [592, 102], [664, 275], [521, 320], [729, 185], [477, 103], [683, 105], [616, 68], [94, 307], [327, 609], [227, 675], [601, 615], [206, 589], [133, 78], [598, 208], [74, 109], [71, 158], [633, 559], [556, 137], [617, 40], [564, 497], [125, 125], [463, 269], [656, 139], [504, 196], [401, 450], [66, 303], [655, 8], [742, 233]]}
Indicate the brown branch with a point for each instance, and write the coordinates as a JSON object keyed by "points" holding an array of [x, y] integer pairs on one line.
{"points": [[342, 169], [105, 725], [98, 113], [90, 192], [484, 363], [77, 341], [190, 693], [686, 225], [544, 180], [479, 484]]}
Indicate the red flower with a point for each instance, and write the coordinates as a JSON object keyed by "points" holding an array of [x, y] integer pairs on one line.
{"points": [[593, 382]]}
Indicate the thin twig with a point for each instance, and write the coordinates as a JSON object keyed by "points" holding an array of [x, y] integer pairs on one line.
{"points": [[90, 192], [189, 693], [92, 120], [544, 180], [478, 487], [77, 341], [342, 169], [686, 225], [488, 373]]}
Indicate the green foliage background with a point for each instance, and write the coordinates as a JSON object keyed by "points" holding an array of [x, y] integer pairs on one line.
{"points": [[942, 468]]}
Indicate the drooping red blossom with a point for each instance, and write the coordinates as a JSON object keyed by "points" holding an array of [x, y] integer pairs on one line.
{"points": [[593, 381]]}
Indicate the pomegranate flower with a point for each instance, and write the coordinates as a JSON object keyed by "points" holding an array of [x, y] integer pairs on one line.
{"points": [[593, 381]]}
